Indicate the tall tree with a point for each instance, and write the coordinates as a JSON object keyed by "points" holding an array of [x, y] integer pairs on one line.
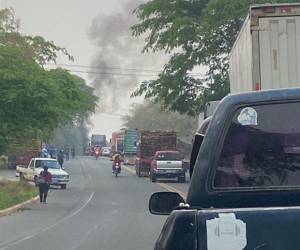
{"points": [[195, 33], [34, 101]]}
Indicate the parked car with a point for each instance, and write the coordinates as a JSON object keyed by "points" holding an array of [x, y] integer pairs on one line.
{"points": [[167, 164], [106, 151], [30, 173]]}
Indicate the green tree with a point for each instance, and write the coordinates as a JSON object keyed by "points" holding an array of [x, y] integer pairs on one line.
{"points": [[34, 101], [195, 33]]}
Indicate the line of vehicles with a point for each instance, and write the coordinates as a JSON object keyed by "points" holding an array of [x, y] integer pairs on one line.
{"points": [[245, 162], [153, 153]]}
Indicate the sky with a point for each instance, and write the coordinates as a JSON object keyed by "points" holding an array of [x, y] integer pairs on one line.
{"points": [[68, 23]]}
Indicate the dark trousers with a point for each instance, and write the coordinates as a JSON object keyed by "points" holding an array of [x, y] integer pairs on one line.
{"points": [[43, 189]]}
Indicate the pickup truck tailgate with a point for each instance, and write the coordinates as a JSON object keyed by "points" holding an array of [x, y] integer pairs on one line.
{"points": [[169, 164], [255, 229]]}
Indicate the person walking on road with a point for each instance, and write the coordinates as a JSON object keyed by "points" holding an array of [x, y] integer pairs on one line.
{"points": [[73, 152], [44, 181], [67, 153], [60, 158]]}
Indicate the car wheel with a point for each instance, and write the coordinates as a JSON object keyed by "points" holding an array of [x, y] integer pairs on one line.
{"points": [[35, 181], [181, 179], [63, 186], [22, 178], [139, 172], [153, 177]]}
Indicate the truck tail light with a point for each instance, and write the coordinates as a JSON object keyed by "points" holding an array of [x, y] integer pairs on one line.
{"points": [[257, 86], [154, 164], [286, 9]]}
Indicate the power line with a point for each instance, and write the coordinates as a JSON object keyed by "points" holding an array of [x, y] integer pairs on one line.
{"points": [[116, 68], [95, 67], [110, 73]]}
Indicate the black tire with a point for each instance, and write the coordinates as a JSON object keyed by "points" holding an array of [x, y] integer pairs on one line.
{"points": [[139, 172], [63, 186], [116, 174], [153, 177], [22, 178], [35, 180], [181, 179]]}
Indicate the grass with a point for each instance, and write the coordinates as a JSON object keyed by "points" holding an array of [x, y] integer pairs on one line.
{"points": [[15, 192]]}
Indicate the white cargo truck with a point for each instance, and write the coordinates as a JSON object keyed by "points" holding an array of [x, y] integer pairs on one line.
{"points": [[266, 53]]}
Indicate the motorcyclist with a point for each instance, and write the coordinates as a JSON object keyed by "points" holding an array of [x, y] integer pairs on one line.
{"points": [[116, 159], [97, 152]]}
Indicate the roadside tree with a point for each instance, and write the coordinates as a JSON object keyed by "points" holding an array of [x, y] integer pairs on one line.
{"points": [[196, 33]]}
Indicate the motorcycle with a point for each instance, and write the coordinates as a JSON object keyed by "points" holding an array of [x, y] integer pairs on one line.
{"points": [[116, 169], [97, 154]]}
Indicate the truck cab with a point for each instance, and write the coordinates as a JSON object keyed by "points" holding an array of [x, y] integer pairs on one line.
{"points": [[245, 186]]}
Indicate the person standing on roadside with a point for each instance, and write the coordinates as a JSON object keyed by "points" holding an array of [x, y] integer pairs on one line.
{"points": [[44, 181], [60, 158]]}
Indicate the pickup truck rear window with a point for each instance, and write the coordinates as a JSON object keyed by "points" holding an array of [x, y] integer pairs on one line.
{"points": [[169, 156], [261, 148]]}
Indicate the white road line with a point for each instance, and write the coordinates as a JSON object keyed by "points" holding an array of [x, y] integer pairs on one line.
{"points": [[28, 237], [163, 185]]}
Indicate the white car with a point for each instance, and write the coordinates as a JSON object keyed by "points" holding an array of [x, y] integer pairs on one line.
{"points": [[59, 176], [105, 151]]}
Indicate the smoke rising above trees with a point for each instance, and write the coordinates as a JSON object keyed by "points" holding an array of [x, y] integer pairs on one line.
{"points": [[119, 53]]}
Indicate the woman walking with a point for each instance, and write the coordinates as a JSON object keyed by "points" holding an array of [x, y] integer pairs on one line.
{"points": [[44, 181]]}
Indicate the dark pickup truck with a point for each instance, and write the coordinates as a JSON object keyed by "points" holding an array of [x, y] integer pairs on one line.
{"points": [[245, 185]]}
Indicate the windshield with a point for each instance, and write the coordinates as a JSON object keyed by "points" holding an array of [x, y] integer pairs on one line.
{"points": [[261, 148], [49, 164]]}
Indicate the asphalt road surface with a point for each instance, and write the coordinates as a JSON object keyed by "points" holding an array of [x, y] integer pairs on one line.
{"points": [[96, 212]]}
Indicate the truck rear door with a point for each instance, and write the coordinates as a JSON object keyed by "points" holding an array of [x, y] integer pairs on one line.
{"points": [[279, 42], [165, 164], [257, 228]]}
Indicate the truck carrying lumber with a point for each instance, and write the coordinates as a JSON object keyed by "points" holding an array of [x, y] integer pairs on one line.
{"points": [[266, 53], [21, 152], [149, 142]]}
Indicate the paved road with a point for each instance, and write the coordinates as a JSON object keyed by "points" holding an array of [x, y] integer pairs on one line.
{"points": [[96, 211]]}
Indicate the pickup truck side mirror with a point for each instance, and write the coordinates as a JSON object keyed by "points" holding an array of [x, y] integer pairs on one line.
{"points": [[163, 203]]}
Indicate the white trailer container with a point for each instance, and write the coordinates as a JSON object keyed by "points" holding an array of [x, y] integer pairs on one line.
{"points": [[266, 53]]}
